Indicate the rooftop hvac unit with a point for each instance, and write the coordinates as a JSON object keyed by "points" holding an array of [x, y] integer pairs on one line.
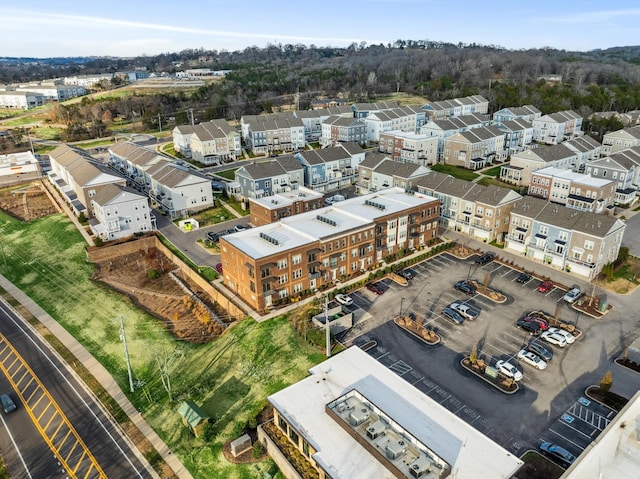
{"points": [[375, 430], [395, 449], [419, 467], [358, 416]]}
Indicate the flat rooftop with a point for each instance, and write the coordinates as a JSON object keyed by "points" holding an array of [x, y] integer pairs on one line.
{"points": [[280, 200], [572, 176], [405, 412]]}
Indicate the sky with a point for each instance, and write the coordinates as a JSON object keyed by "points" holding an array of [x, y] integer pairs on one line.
{"points": [[131, 28]]}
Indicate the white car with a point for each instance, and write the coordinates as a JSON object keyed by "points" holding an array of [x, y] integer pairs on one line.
{"points": [[554, 338], [570, 338], [572, 295], [532, 359], [465, 310], [509, 370], [344, 299]]}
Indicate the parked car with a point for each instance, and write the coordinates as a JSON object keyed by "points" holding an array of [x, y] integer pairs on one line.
{"points": [[219, 268], [465, 287], [7, 403], [558, 453], [538, 348], [452, 315], [554, 338], [344, 299], [572, 295], [485, 258], [375, 288], [509, 370], [532, 359], [407, 274], [242, 227], [523, 278], [530, 326], [545, 286], [570, 338], [469, 312], [544, 325]]}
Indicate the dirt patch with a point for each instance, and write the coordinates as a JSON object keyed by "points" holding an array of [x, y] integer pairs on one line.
{"points": [[155, 284], [26, 202]]}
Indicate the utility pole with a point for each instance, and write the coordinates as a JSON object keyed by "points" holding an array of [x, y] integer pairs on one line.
{"points": [[191, 115], [160, 122], [126, 353], [327, 328]]}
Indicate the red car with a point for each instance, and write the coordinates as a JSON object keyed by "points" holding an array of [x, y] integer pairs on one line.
{"points": [[375, 288], [219, 268], [545, 286], [539, 321]]}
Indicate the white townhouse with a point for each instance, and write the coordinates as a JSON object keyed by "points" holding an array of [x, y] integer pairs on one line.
{"points": [[182, 139], [525, 112], [408, 118], [518, 170], [120, 212], [21, 100], [470, 105], [444, 128], [54, 92], [407, 147], [554, 128], [586, 148], [215, 142], [312, 119]]}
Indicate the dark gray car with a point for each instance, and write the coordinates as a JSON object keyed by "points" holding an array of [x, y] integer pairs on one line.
{"points": [[538, 348], [452, 315]]}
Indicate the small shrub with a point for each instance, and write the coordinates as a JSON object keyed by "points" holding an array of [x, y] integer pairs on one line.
{"points": [[153, 274], [258, 450]]}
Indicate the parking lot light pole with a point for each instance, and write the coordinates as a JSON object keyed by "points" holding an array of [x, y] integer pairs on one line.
{"points": [[401, 301]]}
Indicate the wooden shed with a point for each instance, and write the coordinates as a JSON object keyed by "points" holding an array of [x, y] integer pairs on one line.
{"points": [[193, 416]]}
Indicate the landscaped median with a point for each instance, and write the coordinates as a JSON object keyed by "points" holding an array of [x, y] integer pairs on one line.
{"points": [[492, 294], [489, 375], [417, 330]]}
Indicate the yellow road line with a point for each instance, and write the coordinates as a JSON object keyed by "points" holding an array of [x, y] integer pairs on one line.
{"points": [[78, 440]]}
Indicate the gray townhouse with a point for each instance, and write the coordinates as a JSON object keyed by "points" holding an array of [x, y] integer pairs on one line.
{"points": [[258, 180], [331, 168], [557, 127], [581, 242], [518, 170], [526, 112], [622, 167], [518, 135], [338, 129], [408, 118], [277, 132], [619, 140], [444, 128], [363, 110], [312, 119], [586, 148], [380, 172], [441, 110]]}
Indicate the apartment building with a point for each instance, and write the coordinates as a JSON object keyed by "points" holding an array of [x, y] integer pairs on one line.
{"points": [[619, 140], [262, 179], [470, 105], [87, 81], [21, 100], [214, 142], [557, 127], [182, 139], [518, 135], [338, 129], [378, 172], [406, 147], [518, 171], [573, 190], [586, 148], [475, 148], [578, 241], [52, 92], [527, 113], [363, 110], [309, 251], [278, 132], [270, 209], [331, 168], [321, 104], [354, 418]]}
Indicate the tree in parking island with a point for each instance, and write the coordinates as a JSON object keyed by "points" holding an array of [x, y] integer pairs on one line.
{"points": [[606, 382]]}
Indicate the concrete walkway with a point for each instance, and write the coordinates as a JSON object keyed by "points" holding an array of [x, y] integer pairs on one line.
{"points": [[230, 209], [103, 376]]}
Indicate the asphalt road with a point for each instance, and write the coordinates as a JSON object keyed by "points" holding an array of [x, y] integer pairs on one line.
{"points": [[530, 416], [52, 403], [631, 238]]}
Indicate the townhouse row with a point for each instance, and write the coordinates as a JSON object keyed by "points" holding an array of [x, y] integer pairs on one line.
{"points": [[113, 210]]}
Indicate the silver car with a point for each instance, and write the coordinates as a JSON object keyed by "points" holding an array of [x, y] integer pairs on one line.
{"points": [[465, 310]]}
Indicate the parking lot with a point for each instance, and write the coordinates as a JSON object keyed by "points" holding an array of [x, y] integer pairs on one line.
{"points": [[539, 411]]}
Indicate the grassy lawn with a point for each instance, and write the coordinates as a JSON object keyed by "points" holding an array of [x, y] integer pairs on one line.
{"points": [[495, 171], [168, 149], [229, 378], [93, 144], [211, 216], [237, 206], [26, 120], [228, 174], [48, 132], [486, 181], [455, 171]]}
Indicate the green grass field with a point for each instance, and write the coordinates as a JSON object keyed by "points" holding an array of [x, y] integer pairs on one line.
{"points": [[455, 171], [495, 171], [228, 174], [230, 377]]}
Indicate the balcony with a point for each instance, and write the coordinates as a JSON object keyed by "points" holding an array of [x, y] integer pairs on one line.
{"points": [[315, 275], [581, 263], [516, 239]]}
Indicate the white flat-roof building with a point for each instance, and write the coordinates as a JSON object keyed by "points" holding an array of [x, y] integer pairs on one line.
{"points": [[355, 418], [615, 454]]}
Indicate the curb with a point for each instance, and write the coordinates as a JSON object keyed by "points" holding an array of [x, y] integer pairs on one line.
{"points": [[517, 386]]}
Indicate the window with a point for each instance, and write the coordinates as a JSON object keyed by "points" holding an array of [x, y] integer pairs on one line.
{"points": [[266, 272], [283, 424], [589, 245], [563, 236], [297, 288], [267, 184], [297, 259], [252, 286], [282, 263], [297, 274], [283, 279], [544, 230]]}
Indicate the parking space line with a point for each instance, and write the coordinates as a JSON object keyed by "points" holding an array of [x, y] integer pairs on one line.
{"points": [[567, 439], [380, 357], [567, 424], [420, 379]]}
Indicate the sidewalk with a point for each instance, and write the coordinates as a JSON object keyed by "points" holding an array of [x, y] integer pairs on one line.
{"points": [[104, 377], [230, 209]]}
